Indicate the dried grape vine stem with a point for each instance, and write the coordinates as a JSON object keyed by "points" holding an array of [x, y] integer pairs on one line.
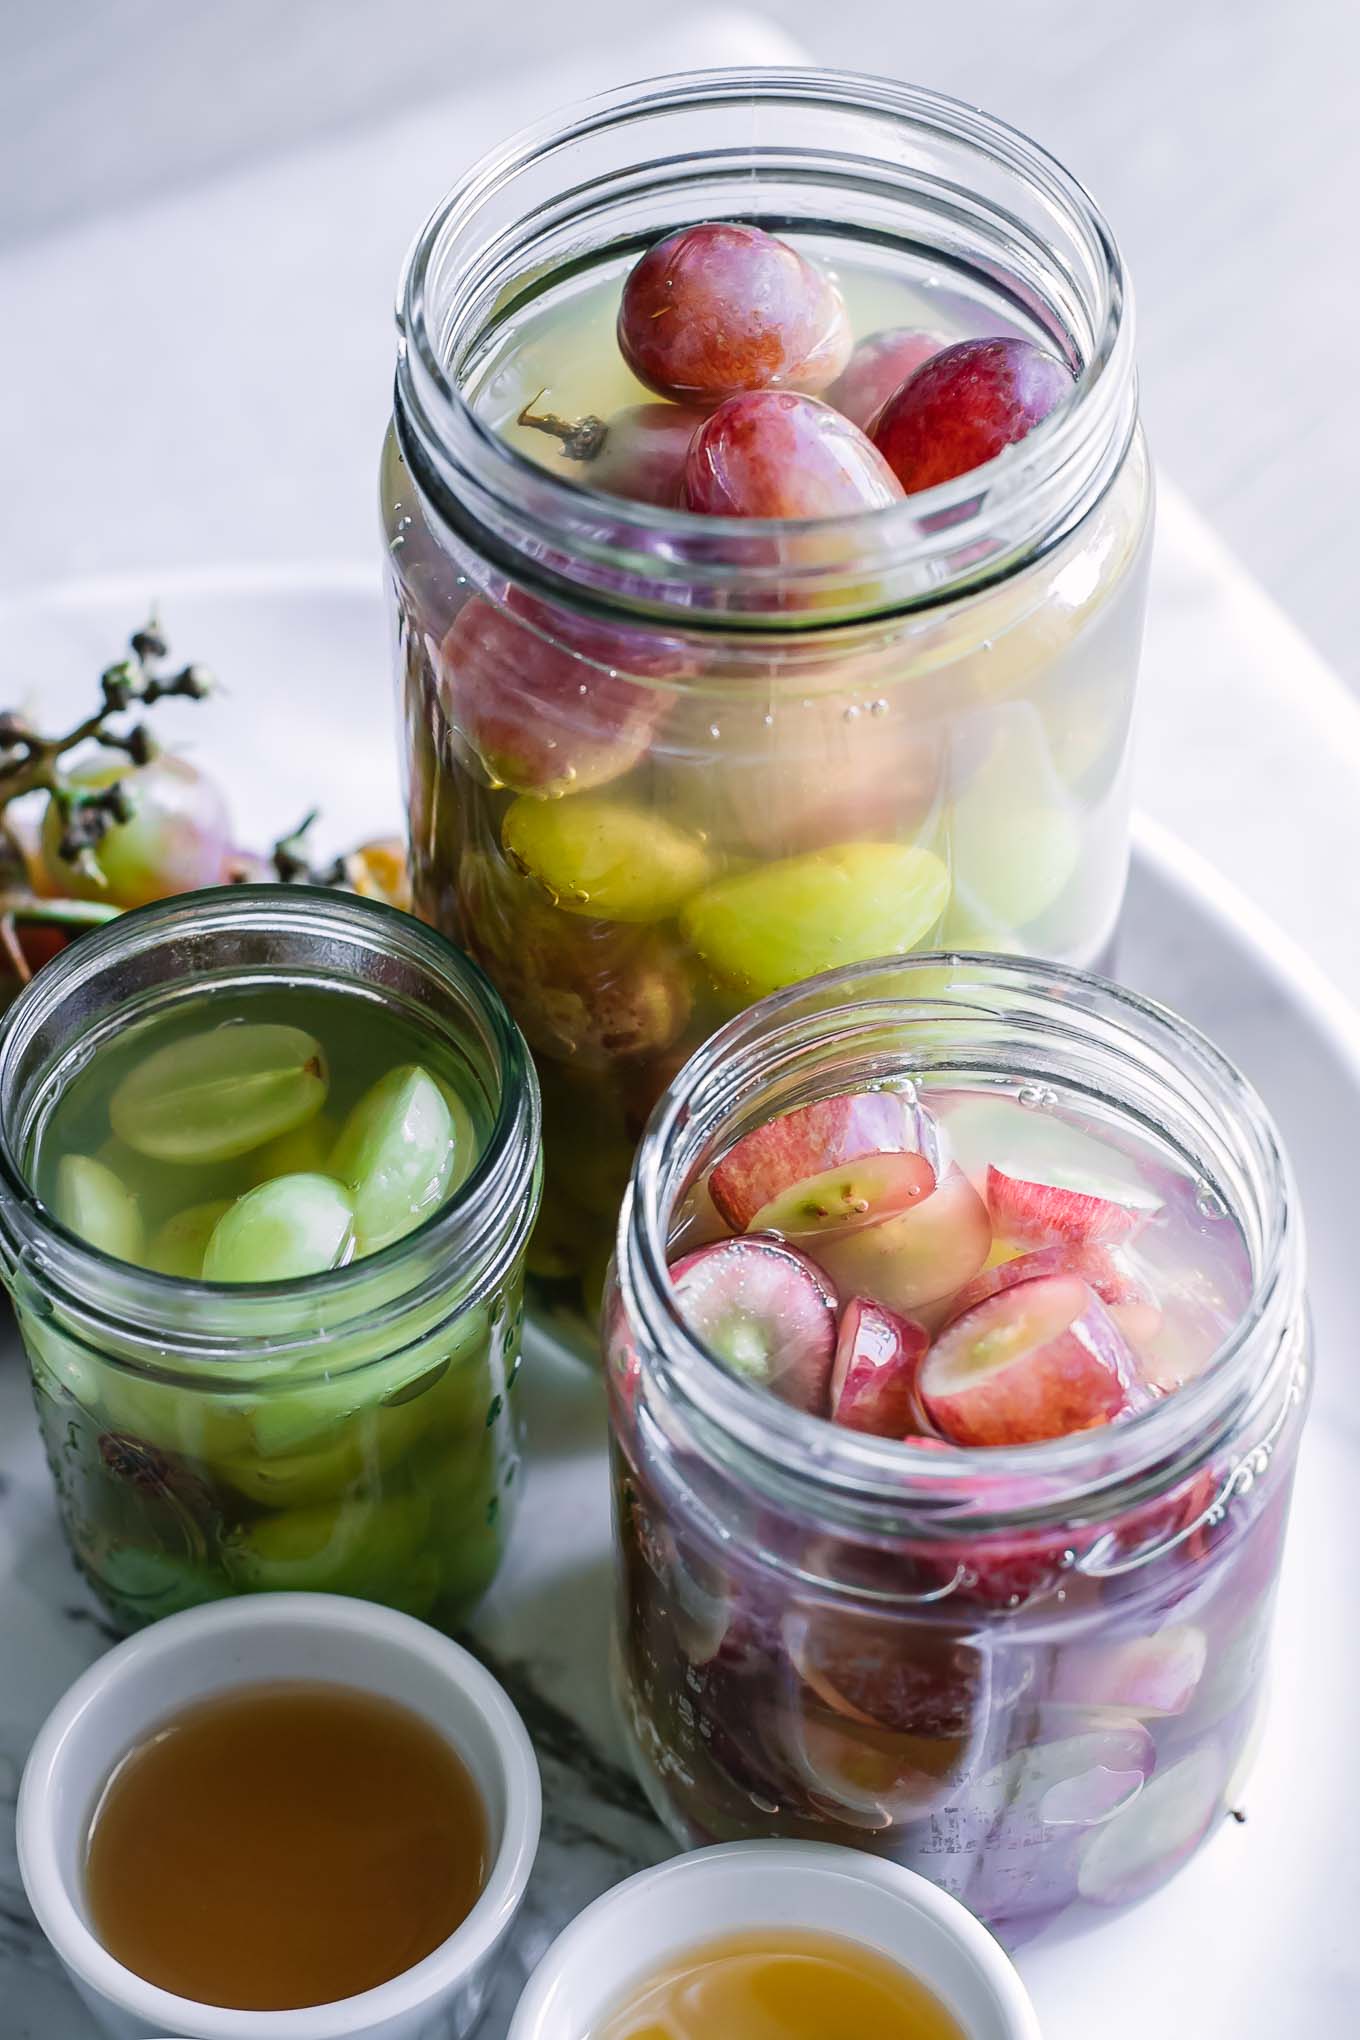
{"points": [[31, 763]]}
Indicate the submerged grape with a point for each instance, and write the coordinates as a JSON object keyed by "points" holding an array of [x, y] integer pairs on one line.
{"points": [[400, 1155], [178, 1247], [292, 1226], [94, 1203], [212, 1096]]}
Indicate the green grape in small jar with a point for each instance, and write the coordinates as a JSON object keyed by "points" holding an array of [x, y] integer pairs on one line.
{"points": [[275, 1155]]}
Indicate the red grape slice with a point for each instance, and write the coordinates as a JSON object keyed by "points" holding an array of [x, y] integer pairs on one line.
{"points": [[719, 308], [1045, 1214], [1148, 1676], [1041, 1360], [877, 369], [777, 1159], [966, 405], [766, 1311], [774, 453], [1130, 1306], [1140, 1848], [873, 1379], [918, 1258]]}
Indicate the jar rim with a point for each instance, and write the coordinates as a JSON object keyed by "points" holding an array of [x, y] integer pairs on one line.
{"points": [[486, 1220], [959, 535], [1164, 1442]]}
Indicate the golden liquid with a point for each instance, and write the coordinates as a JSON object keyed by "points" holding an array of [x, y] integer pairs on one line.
{"points": [[285, 1845], [777, 1985]]}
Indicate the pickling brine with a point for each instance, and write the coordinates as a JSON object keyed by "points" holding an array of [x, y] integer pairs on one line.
{"points": [[262, 1358]]}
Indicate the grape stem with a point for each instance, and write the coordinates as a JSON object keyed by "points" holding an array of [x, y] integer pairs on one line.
{"points": [[30, 763], [582, 439]]}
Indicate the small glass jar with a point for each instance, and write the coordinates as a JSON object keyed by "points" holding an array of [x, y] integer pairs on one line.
{"points": [[352, 1432], [1035, 1675], [952, 675]]}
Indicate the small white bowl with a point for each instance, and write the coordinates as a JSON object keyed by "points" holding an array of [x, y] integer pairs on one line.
{"points": [[267, 1637], [624, 1938]]}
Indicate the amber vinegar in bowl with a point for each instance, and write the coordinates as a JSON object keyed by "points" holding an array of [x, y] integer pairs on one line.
{"points": [[284, 1845]]}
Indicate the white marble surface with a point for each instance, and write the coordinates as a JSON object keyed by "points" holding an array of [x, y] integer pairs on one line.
{"points": [[1252, 1941]]}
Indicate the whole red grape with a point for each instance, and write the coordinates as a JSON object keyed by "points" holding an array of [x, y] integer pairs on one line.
{"points": [[545, 700], [775, 453], [176, 840], [965, 405], [716, 309], [877, 370], [643, 456]]}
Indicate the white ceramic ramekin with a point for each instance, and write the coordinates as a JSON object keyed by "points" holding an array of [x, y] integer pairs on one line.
{"points": [[635, 1929], [266, 1637]]}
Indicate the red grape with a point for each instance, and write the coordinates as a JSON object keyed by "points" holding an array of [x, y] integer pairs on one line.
{"points": [[540, 699], [772, 453], [877, 370], [717, 309], [176, 840], [643, 457], [965, 405]]}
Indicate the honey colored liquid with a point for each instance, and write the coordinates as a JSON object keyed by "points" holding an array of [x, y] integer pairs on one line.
{"points": [[773, 1985], [284, 1845]]}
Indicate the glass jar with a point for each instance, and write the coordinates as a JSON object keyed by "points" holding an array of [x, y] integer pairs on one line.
{"points": [[801, 706], [353, 1432], [1034, 1674]]}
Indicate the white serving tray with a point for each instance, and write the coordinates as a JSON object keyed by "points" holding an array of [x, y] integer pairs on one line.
{"points": [[1257, 1938]]}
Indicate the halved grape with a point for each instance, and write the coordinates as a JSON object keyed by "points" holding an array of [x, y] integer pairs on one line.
{"points": [[212, 1096], [294, 1225], [306, 1150], [93, 1203], [399, 1154], [179, 1246]]}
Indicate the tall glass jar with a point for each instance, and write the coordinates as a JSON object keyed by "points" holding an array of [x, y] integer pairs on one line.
{"points": [[1034, 1674], [353, 1432], [801, 742]]}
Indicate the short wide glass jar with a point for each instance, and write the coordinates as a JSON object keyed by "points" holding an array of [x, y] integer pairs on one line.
{"points": [[353, 1431], [659, 764], [1034, 1673]]}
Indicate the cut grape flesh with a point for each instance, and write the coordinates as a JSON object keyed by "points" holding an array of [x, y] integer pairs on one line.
{"points": [[281, 1230], [399, 1154], [215, 1095]]}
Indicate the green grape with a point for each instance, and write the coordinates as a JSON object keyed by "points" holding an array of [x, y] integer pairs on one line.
{"points": [[94, 1204], [295, 1225], [603, 858], [772, 926], [212, 1096], [399, 1153], [304, 1151], [178, 1247], [359, 1546]]}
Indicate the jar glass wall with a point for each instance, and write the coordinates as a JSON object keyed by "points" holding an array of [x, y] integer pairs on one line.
{"points": [[659, 764], [1035, 1674], [353, 1431]]}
